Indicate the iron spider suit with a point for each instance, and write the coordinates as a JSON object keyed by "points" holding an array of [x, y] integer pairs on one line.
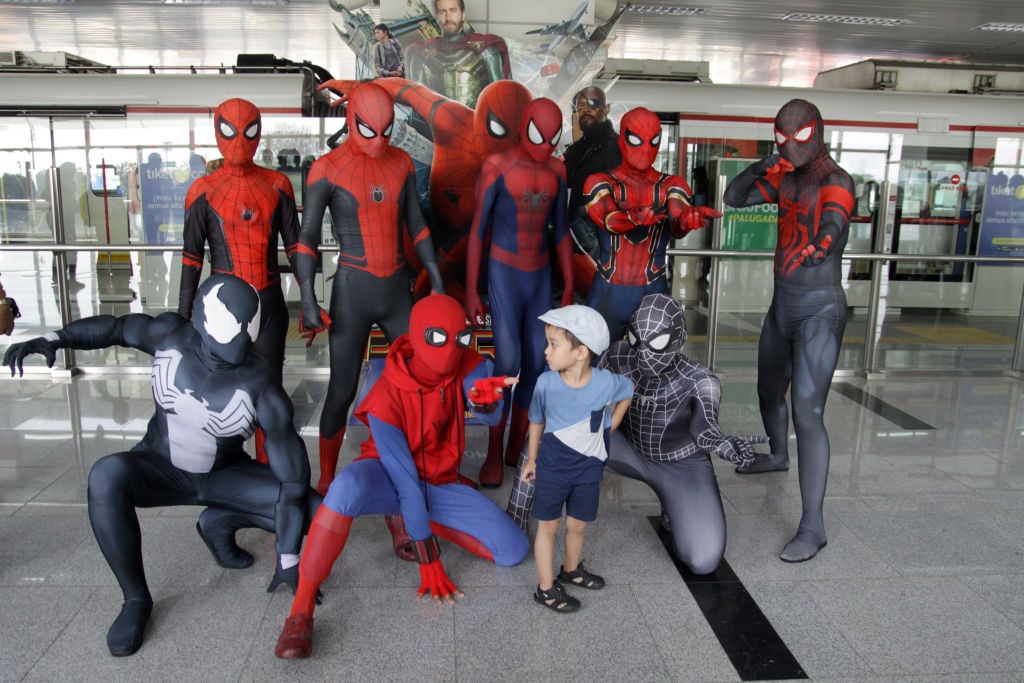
{"points": [[638, 211], [210, 394], [240, 210], [671, 429], [463, 138], [369, 188], [459, 66], [520, 193], [803, 329], [410, 465]]}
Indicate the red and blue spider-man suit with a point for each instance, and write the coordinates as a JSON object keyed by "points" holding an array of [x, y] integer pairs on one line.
{"points": [[519, 194], [240, 210], [370, 190], [802, 332], [463, 138], [410, 465], [638, 211]]}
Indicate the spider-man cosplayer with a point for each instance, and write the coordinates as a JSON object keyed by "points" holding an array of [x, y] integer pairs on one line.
{"points": [[638, 211], [463, 138], [370, 190], [239, 211], [210, 393], [671, 430], [804, 326], [410, 465], [519, 194]]}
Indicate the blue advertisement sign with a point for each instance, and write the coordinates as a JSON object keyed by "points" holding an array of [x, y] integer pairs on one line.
{"points": [[1002, 218]]}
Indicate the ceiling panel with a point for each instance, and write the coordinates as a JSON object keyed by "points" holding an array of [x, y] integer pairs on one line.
{"points": [[744, 42]]}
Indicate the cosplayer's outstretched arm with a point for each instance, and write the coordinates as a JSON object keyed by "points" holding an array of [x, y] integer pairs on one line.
{"points": [[757, 183], [706, 431], [419, 97], [488, 187], [305, 256], [684, 216], [836, 201], [419, 233], [194, 245], [137, 331], [397, 460]]}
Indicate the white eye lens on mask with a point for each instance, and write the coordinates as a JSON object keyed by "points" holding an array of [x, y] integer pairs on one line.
{"points": [[660, 343]]}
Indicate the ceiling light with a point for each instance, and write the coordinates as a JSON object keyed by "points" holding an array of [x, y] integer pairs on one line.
{"points": [[996, 26], [667, 10], [842, 19], [38, 2]]}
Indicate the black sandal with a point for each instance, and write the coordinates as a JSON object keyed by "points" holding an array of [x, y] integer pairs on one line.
{"points": [[556, 599], [581, 577]]}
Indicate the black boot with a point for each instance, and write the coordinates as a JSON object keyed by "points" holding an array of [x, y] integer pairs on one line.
{"points": [[125, 635], [217, 527]]}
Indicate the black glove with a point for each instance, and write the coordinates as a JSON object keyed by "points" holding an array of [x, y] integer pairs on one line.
{"points": [[739, 449], [760, 168], [288, 577], [14, 357]]}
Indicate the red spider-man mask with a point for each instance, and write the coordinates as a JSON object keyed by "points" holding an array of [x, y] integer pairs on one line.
{"points": [[371, 118], [540, 128], [498, 113], [439, 336], [639, 138], [799, 132], [238, 127]]}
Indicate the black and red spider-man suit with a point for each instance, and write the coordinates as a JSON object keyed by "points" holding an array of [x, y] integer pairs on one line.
{"points": [[804, 326], [240, 210], [520, 193], [370, 189], [463, 138], [210, 393], [638, 211]]}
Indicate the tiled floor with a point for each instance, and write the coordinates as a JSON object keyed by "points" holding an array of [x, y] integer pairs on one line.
{"points": [[922, 579]]}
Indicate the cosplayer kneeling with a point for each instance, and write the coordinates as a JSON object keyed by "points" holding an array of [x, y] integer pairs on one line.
{"points": [[211, 393], [410, 465]]}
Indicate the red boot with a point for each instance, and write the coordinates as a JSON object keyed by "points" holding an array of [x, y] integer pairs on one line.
{"points": [[517, 435], [327, 536], [330, 448], [400, 538], [492, 474]]}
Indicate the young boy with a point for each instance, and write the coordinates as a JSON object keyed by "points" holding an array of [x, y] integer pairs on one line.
{"points": [[568, 445]]}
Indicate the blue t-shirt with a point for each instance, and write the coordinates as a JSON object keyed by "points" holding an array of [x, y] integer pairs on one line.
{"points": [[577, 422]]}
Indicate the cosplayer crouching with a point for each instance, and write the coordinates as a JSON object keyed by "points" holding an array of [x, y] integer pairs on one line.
{"points": [[410, 465], [211, 393], [671, 430]]}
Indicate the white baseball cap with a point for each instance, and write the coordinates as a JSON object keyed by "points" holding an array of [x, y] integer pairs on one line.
{"points": [[584, 322]]}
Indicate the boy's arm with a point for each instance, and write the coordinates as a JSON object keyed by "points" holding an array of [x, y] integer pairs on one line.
{"points": [[533, 435], [619, 412]]}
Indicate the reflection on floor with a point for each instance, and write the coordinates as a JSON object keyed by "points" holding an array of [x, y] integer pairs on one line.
{"points": [[922, 579]]}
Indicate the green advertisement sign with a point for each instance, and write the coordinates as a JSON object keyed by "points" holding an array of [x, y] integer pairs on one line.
{"points": [[753, 228]]}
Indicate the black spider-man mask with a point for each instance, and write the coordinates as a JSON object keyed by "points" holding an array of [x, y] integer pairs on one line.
{"points": [[799, 132], [238, 127], [656, 333], [227, 317]]}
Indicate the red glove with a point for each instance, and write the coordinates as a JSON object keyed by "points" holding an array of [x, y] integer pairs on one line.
{"points": [[311, 332], [476, 313], [433, 580], [487, 390], [695, 217]]}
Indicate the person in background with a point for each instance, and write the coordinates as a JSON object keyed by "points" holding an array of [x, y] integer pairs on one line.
{"points": [[8, 312], [388, 59]]}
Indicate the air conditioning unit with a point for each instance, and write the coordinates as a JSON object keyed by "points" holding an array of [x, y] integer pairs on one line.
{"points": [[937, 77], [655, 70], [8, 58]]}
